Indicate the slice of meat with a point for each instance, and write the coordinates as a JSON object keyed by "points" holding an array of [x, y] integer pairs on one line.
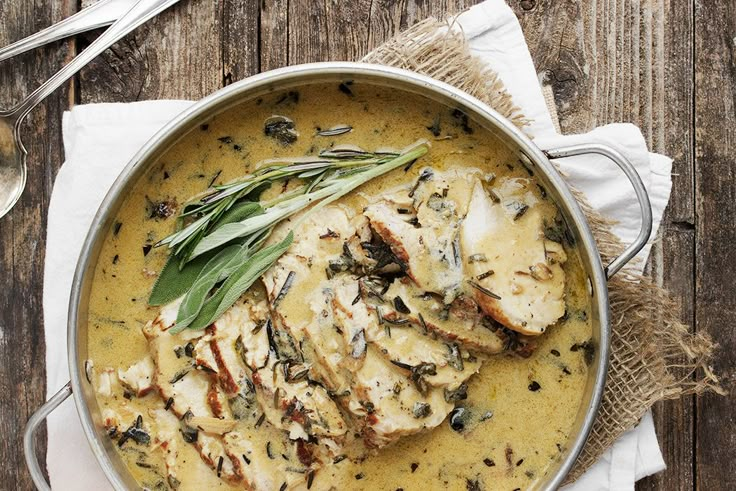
{"points": [[463, 326], [512, 277], [430, 255], [185, 389], [379, 394], [390, 404], [138, 378], [291, 402], [400, 343]]}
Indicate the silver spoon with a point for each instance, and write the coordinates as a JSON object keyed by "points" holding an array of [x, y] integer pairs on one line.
{"points": [[12, 152]]}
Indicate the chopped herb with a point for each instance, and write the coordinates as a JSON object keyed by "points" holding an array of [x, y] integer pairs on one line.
{"points": [[329, 234], [204, 127], [435, 127], [227, 140], [402, 211], [520, 211], [291, 97], [459, 418], [555, 352], [483, 290], [425, 175], [477, 258], [485, 275], [414, 466], [459, 394], [542, 191], [116, 228], [358, 344], [339, 459], [284, 289], [179, 375], [344, 87], [260, 420], [283, 487], [356, 299], [421, 322], [189, 434], [359, 476], [455, 357], [169, 402], [189, 350], [146, 249], [136, 433], [489, 462], [534, 386], [462, 120], [421, 410], [519, 462], [588, 350], [268, 451], [340, 129], [401, 306], [473, 485], [219, 465], [494, 196], [214, 178], [282, 129]]}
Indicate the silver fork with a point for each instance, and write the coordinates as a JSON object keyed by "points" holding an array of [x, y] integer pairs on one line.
{"points": [[12, 152], [100, 14]]}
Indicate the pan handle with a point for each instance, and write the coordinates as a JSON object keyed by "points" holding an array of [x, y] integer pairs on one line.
{"points": [[641, 195], [29, 445]]}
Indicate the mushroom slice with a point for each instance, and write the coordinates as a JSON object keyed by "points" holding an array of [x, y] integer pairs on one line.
{"points": [[525, 291]]}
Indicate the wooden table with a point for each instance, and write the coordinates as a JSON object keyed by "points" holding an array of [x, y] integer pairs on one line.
{"points": [[668, 66]]}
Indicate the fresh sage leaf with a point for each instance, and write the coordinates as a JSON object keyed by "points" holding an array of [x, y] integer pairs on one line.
{"points": [[239, 282], [173, 282], [206, 281]]}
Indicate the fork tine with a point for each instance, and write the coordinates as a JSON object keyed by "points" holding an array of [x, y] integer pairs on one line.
{"points": [[100, 14]]}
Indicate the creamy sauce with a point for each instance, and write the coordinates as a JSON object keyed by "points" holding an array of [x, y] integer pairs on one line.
{"points": [[521, 409]]}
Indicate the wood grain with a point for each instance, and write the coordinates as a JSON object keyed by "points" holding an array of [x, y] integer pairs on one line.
{"points": [[22, 232], [715, 206], [631, 61], [176, 55]]}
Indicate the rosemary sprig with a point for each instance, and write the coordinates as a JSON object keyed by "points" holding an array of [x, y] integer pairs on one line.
{"points": [[216, 251]]}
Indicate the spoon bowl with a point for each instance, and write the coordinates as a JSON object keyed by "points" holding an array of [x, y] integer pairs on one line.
{"points": [[12, 162], [12, 152]]}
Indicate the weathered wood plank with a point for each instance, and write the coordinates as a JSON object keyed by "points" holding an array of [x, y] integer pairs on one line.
{"points": [[274, 27], [240, 47], [308, 36], [673, 264], [177, 55], [22, 232], [715, 206], [631, 61]]}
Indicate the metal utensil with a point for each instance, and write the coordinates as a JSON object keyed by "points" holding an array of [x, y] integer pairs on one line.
{"points": [[12, 152], [100, 14]]}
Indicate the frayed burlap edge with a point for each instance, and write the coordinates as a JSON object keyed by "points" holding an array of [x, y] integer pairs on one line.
{"points": [[653, 356]]}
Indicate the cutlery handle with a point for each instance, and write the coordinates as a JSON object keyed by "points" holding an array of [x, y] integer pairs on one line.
{"points": [[641, 195], [100, 14], [137, 15], [29, 446]]}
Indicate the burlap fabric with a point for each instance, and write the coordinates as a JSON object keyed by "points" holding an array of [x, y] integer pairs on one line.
{"points": [[653, 356]]}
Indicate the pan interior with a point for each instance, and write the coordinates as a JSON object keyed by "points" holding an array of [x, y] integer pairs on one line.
{"points": [[277, 83]]}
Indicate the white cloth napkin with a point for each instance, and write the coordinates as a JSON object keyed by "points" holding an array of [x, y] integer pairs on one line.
{"points": [[100, 139]]}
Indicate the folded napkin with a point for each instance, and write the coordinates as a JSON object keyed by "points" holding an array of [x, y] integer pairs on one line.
{"points": [[100, 139]]}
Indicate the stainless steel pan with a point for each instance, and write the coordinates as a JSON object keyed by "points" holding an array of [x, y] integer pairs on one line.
{"points": [[534, 158]]}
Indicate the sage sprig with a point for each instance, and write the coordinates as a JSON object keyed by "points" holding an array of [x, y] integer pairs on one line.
{"points": [[216, 251]]}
